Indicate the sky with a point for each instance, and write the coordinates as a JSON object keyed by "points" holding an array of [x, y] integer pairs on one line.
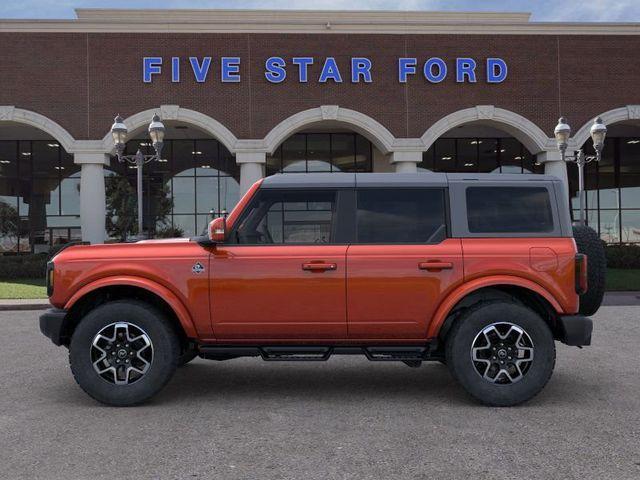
{"points": [[542, 10]]}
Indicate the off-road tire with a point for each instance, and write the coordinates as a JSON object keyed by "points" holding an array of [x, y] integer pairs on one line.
{"points": [[165, 344], [589, 243], [458, 350]]}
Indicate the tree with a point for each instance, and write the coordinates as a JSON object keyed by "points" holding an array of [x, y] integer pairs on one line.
{"points": [[122, 208], [9, 221]]}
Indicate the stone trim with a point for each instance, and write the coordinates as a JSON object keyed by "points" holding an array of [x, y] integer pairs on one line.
{"points": [[532, 136], [382, 138], [308, 21], [10, 113], [629, 112], [177, 113]]}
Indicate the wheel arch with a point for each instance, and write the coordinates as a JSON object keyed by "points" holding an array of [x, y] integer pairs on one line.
{"points": [[118, 288], [513, 289]]}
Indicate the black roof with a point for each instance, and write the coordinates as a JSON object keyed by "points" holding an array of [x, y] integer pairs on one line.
{"points": [[420, 179]]}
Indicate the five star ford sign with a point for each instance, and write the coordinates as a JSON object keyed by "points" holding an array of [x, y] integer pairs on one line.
{"points": [[361, 69]]}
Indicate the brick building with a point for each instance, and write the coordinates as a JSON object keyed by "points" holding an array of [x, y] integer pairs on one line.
{"points": [[251, 93]]}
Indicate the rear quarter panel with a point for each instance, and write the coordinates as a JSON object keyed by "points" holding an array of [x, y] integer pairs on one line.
{"points": [[548, 262]]}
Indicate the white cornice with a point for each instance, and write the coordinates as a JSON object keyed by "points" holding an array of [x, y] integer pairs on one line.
{"points": [[299, 21]]}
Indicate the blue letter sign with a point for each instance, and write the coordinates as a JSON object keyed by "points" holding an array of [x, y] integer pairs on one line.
{"points": [[200, 71], [151, 66], [434, 69], [275, 69], [496, 70], [330, 71]]}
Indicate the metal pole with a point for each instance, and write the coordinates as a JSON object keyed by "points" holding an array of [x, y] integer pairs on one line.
{"points": [[139, 164], [580, 162]]}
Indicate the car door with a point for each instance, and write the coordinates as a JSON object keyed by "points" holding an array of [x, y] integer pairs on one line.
{"points": [[401, 265], [282, 274]]}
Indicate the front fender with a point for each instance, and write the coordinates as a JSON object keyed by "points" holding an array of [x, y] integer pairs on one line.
{"points": [[465, 289], [163, 292]]}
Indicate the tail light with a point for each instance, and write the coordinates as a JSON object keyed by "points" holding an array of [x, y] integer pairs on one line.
{"points": [[581, 274]]}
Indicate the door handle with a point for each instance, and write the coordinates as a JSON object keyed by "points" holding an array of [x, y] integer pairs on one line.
{"points": [[435, 266], [319, 267]]}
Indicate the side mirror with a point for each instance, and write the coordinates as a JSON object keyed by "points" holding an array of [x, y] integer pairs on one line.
{"points": [[218, 230]]}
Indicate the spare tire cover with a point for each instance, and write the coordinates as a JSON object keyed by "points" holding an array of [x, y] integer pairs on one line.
{"points": [[588, 242]]}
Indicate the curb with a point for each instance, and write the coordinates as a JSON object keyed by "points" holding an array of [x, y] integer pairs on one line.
{"points": [[13, 305]]}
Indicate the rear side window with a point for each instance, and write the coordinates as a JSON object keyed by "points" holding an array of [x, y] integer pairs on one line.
{"points": [[401, 215], [509, 210]]}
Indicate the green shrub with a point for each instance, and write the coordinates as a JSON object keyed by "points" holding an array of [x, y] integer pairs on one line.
{"points": [[14, 267], [623, 256]]}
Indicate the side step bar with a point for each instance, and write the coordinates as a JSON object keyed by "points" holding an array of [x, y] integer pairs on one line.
{"points": [[312, 353]]}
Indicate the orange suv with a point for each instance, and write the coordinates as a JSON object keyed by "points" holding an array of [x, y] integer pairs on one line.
{"points": [[479, 272]]}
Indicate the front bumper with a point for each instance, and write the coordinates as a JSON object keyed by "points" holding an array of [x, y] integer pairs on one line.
{"points": [[575, 330], [52, 323]]}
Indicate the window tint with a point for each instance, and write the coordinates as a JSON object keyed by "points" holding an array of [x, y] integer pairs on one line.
{"points": [[401, 215], [288, 217], [509, 210]]}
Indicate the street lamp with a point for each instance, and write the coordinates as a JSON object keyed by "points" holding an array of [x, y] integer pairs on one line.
{"points": [[562, 133], [119, 133]]}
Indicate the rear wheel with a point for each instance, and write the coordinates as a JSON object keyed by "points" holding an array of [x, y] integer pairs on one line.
{"points": [[502, 353], [122, 353]]}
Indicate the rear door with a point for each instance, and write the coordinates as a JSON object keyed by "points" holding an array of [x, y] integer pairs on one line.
{"points": [[282, 276], [402, 263]]}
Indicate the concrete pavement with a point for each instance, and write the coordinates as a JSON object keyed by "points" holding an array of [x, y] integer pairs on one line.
{"points": [[343, 419]]}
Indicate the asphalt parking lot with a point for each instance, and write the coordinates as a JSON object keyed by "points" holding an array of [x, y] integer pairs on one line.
{"points": [[343, 419]]}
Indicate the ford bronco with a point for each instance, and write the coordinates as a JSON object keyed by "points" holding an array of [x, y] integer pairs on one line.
{"points": [[479, 272]]}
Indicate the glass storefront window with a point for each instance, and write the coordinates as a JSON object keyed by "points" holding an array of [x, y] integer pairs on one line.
{"points": [[612, 190], [39, 195], [322, 152], [199, 177]]}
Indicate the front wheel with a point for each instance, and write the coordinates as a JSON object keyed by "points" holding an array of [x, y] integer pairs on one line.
{"points": [[123, 352], [502, 353]]}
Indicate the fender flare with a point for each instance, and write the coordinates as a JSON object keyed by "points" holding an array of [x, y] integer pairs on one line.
{"points": [[467, 288], [167, 295]]}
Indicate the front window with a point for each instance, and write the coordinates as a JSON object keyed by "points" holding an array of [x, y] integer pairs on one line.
{"points": [[279, 217]]}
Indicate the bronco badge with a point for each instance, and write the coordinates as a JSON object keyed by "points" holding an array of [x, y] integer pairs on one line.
{"points": [[197, 268]]}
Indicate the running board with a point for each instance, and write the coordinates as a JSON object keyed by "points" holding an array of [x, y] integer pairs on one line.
{"points": [[319, 353]]}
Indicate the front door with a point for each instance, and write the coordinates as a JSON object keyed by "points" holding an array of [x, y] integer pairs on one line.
{"points": [[402, 263], [281, 276]]}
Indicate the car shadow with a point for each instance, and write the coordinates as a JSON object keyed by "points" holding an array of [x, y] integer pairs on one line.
{"points": [[252, 378]]}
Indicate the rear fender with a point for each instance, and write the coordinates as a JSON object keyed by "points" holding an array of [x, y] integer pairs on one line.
{"points": [[457, 295], [167, 295]]}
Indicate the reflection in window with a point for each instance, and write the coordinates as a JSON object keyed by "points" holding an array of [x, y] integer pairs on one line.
{"points": [[288, 217]]}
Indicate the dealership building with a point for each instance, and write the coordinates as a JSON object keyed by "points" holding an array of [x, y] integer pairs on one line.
{"points": [[246, 94]]}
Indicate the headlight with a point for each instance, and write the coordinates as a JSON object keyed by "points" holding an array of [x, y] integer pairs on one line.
{"points": [[50, 278]]}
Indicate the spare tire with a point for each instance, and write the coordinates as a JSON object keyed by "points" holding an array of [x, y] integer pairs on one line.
{"points": [[588, 242]]}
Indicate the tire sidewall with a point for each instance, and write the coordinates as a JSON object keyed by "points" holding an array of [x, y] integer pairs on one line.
{"points": [[165, 352], [460, 341]]}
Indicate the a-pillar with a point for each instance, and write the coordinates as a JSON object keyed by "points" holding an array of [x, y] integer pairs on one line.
{"points": [[92, 195], [406, 162], [251, 168]]}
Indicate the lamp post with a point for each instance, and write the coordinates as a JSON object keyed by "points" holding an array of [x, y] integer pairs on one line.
{"points": [[119, 133], [562, 133]]}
